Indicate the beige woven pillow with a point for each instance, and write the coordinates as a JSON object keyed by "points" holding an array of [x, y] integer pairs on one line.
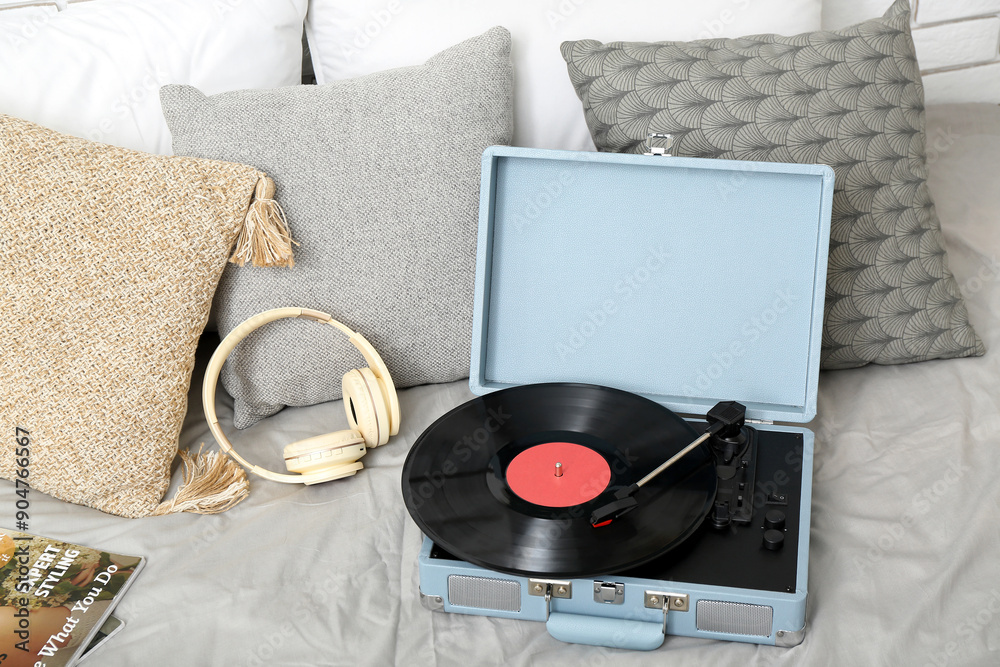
{"points": [[109, 259]]}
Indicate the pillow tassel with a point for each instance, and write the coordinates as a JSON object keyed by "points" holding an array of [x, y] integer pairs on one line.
{"points": [[213, 483], [264, 239]]}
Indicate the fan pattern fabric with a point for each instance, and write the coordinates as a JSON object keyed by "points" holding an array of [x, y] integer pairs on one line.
{"points": [[852, 99]]}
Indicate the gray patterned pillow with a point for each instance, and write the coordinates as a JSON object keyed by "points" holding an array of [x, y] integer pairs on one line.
{"points": [[849, 98]]}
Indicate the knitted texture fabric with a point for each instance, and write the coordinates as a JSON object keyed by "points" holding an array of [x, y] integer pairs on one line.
{"points": [[109, 259], [379, 179], [850, 98]]}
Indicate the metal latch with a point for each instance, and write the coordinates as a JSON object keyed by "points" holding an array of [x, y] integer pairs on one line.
{"points": [[653, 139], [609, 592], [550, 588], [667, 602]]}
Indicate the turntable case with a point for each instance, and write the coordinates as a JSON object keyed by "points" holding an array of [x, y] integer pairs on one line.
{"points": [[685, 280]]}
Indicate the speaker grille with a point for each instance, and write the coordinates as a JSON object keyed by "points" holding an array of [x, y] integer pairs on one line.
{"points": [[736, 618], [484, 593]]}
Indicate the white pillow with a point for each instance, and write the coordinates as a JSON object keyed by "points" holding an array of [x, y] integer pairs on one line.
{"points": [[349, 38], [95, 69]]}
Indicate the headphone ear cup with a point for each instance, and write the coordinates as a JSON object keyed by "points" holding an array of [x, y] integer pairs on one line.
{"points": [[365, 406], [337, 453]]}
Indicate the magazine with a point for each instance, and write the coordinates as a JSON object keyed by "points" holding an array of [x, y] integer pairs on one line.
{"points": [[111, 627], [55, 596]]}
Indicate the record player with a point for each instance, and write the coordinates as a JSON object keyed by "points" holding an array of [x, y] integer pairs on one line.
{"points": [[613, 292]]}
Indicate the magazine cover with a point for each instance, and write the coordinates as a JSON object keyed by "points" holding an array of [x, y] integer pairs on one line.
{"points": [[55, 596]]}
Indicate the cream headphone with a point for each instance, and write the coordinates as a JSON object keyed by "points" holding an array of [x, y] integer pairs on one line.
{"points": [[369, 400]]}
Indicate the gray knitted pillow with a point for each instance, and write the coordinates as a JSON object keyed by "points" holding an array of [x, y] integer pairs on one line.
{"points": [[851, 99], [379, 179]]}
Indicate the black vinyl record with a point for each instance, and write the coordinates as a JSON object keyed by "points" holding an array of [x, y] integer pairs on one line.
{"points": [[455, 483]]}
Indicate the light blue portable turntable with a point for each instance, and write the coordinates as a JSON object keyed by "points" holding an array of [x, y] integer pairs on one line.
{"points": [[687, 281]]}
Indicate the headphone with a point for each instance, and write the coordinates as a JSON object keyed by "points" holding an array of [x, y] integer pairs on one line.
{"points": [[369, 400]]}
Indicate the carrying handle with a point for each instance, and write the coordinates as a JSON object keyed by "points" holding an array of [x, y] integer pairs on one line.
{"points": [[610, 632]]}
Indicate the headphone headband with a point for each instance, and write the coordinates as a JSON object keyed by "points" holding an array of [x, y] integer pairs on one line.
{"points": [[230, 342]]}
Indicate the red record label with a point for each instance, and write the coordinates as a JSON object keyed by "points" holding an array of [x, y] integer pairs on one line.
{"points": [[558, 474]]}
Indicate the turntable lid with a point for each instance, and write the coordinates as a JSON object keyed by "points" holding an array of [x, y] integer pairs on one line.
{"points": [[685, 280]]}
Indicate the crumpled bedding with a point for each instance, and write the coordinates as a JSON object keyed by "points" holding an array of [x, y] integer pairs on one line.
{"points": [[905, 556]]}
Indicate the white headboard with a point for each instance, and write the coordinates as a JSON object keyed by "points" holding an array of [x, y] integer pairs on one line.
{"points": [[958, 43]]}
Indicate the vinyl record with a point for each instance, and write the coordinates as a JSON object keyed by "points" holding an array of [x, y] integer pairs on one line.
{"points": [[483, 484]]}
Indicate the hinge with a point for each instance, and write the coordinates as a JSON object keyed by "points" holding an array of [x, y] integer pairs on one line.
{"points": [[667, 602], [557, 588], [658, 600], [759, 421], [550, 588]]}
